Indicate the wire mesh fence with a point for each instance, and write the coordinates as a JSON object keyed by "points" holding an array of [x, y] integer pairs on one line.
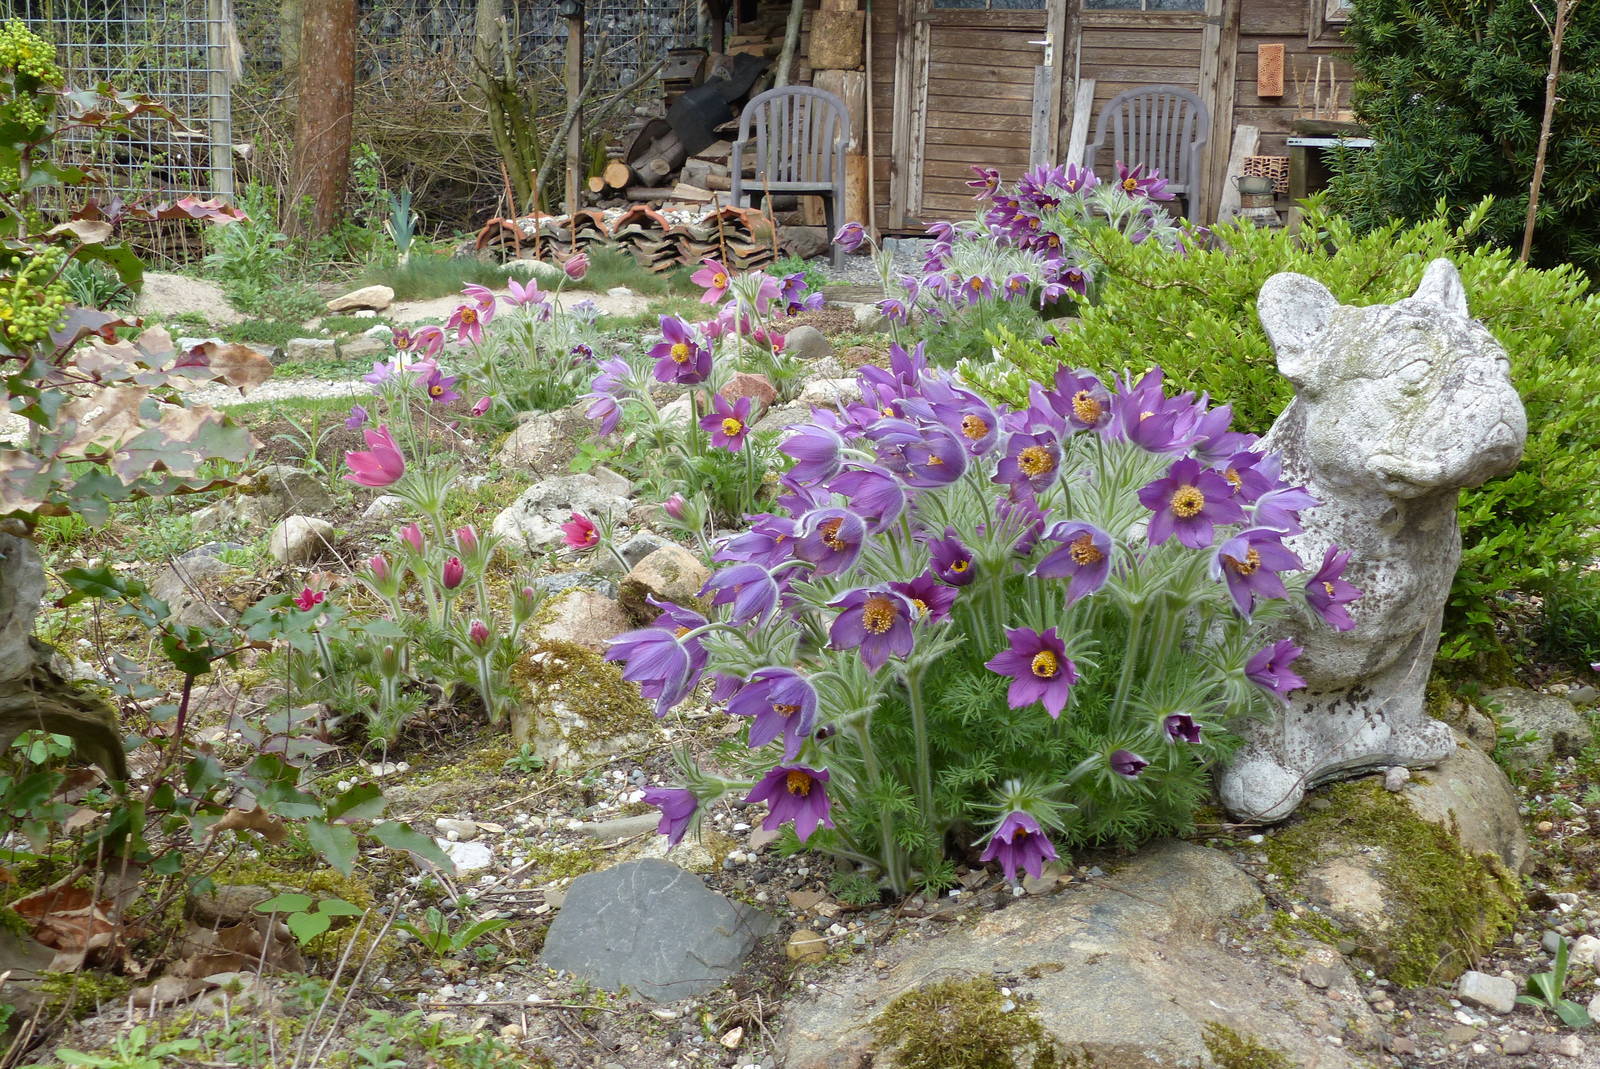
{"points": [[179, 51]]}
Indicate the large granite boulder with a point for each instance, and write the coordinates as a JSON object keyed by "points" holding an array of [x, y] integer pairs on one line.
{"points": [[652, 928], [1397, 407], [533, 521], [1556, 726], [1126, 971]]}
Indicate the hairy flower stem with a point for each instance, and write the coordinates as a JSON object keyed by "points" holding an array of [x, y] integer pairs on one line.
{"points": [[1130, 658], [486, 688], [893, 863], [919, 731]]}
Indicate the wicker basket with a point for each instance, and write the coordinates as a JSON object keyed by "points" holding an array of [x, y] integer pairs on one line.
{"points": [[1273, 167]]}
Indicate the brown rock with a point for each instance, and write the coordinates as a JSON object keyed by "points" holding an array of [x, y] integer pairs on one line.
{"points": [[584, 618], [1468, 792], [806, 945], [671, 573], [755, 387]]}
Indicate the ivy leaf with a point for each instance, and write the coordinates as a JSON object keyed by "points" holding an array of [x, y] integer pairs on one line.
{"points": [[336, 844], [398, 836], [364, 801], [307, 926]]}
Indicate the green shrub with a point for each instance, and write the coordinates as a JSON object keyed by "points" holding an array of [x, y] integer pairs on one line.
{"points": [[1195, 317], [1453, 93]]}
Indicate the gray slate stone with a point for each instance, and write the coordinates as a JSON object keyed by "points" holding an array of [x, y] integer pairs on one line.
{"points": [[376, 298], [191, 587], [561, 582], [1561, 729], [1497, 994], [653, 928], [299, 539], [1396, 409], [364, 348], [533, 520], [21, 593], [807, 343]]}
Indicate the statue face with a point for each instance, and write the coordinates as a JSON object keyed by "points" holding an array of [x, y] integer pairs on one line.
{"points": [[1410, 398]]}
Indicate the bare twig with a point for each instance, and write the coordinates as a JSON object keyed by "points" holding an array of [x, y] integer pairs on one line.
{"points": [[1563, 14]]}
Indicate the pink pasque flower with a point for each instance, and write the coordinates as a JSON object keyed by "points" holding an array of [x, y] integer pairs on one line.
{"points": [[675, 506], [580, 532], [411, 535], [478, 634], [714, 278], [454, 573], [308, 599], [521, 295], [379, 464], [467, 321], [483, 405], [576, 266]]}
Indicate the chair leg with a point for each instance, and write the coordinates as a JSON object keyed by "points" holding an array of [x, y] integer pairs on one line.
{"points": [[831, 202]]}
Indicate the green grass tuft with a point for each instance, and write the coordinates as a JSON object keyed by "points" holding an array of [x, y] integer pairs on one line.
{"points": [[422, 278]]}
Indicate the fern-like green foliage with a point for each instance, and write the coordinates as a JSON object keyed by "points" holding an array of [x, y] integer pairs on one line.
{"points": [[1195, 317]]}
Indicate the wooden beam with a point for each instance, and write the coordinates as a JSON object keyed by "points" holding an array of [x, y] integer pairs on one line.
{"points": [[1216, 172], [574, 88], [1245, 140], [1039, 124], [1082, 117], [1063, 50], [850, 87], [910, 98]]}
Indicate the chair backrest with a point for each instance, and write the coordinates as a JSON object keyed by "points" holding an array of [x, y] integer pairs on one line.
{"points": [[800, 134], [1160, 126]]}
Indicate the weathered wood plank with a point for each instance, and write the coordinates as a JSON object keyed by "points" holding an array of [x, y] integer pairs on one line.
{"points": [[1245, 139], [1210, 68], [1082, 118], [1040, 121], [850, 87]]}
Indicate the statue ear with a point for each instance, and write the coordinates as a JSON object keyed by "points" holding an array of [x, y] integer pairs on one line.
{"points": [[1441, 286], [1295, 310]]}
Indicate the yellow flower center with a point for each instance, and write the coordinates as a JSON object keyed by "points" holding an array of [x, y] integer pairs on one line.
{"points": [[1235, 480], [1035, 460], [1187, 502], [1015, 285], [1033, 223], [935, 461], [877, 615], [469, 315], [680, 352], [798, 782], [960, 567], [1045, 665], [1053, 240], [1249, 566], [1085, 407], [681, 631], [886, 410], [1084, 552], [922, 606], [1130, 184], [830, 535], [1328, 589], [732, 427], [974, 427], [719, 280], [976, 284], [786, 710], [436, 390]]}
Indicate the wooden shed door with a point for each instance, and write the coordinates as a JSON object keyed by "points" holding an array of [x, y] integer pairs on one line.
{"points": [[983, 56]]}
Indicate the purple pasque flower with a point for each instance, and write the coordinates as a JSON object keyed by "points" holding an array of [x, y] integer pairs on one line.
{"points": [[815, 450], [986, 181], [678, 807], [850, 236], [1019, 842], [872, 492], [675, 506], [1015, 287], [896, 309], [952, 560], [1189, 502], [1019, 520], [358, 417], [1269, 669], [1280, 509], [1084, 558], [1032, 460], [923, 456], [875, 620], [454, 573], [965, 414], [782, 702], [831, 539], [1081, 399], [749, 588], [1328, 594], [440, 387], [1138, 184], [768, 540], [1250, 562], [679, 356], [604, 409], [1181, 727], [428, 341], [660, 662], [1078, 179], [794, 792], [1214, 443], [1127, 764], [1250, 474], [977, 288], [931, 598], [729, 424], [1039, 668]]}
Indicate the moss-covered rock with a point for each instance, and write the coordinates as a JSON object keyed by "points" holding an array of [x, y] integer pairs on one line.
{"points": [[1233, 1050], [574, 706], [964, 1024], [1417, 905]]}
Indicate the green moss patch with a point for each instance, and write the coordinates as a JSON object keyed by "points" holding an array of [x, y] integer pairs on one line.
{"points": [[1447, 907], [590, 688], [964, 1024], [1232, 1050]]}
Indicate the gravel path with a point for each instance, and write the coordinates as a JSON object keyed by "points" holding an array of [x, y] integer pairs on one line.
{"points": [[861, 270]]}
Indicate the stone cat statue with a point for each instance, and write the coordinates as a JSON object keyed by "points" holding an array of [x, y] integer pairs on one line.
{"points": [[1397, 407]]}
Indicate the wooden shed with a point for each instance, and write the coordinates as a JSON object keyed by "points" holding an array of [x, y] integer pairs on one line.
{"points": [[1010, 83]]}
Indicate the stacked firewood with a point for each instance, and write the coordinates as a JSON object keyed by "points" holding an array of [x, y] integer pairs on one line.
{"points": [[741, 238]]}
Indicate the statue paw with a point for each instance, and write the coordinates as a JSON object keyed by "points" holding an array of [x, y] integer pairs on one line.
{"points": [[1256, 786]]}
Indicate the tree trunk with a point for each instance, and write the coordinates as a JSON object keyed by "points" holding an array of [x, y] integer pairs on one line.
{"points": [[321, 164], [1563, 11], [791, 42]]}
